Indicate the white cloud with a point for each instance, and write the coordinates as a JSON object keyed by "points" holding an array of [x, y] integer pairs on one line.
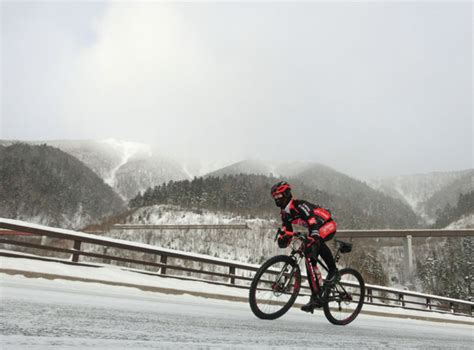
{"points": [[372, 89]]}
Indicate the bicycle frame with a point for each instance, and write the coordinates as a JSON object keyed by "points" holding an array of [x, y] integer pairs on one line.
{"points": [[298, 252]]}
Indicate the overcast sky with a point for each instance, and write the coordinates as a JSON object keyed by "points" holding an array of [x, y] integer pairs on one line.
{"points": [[371, 89]]}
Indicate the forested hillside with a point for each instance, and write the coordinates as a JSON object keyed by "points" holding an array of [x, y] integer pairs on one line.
{"points": [[43, 184], [250, 195], [428, 193], [128, 167], [463, 207], [449, 195]]}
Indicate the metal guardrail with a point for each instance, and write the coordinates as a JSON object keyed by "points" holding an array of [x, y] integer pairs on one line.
{"points": [[180, 227], [405, 233], [340, 233], [230, 273]]}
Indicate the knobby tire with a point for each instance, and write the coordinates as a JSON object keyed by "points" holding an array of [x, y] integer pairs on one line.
{"points": [[295, 280], [330, 311]]}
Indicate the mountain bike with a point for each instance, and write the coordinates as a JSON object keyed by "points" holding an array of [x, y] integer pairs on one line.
{"points": [[277, 283]]}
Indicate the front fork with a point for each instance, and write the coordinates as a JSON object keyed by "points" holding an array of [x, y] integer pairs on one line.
{"points": [[297, 260]]}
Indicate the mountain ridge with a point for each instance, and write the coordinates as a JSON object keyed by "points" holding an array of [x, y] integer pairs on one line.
{"points": [[317, 176], [128, 167], [45, 185], [131, 167], [427, 193]]}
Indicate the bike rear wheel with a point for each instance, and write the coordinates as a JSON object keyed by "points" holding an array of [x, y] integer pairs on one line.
{"points": [[275, 287], [345, 298]]}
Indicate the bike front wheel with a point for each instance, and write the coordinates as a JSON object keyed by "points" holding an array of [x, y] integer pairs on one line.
{"points": [[345, 298], [275, 287]]}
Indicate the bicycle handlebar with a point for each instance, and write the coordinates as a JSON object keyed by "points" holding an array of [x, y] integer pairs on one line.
{"points": [[302, 235]]}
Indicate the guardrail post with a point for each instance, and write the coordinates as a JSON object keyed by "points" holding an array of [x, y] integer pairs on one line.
{"points": [[451, 307], [401, 299], [77, 246], [370, 298], [163, 260], [232, 274], [428, 303]]}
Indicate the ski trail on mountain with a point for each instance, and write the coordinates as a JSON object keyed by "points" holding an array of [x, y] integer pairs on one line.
{"points": [[127, 150]]}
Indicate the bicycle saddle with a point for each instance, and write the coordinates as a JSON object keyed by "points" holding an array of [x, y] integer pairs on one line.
{"points": [[344, 246]]}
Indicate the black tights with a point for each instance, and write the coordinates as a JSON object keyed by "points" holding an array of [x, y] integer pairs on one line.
{"points": [[325, 253]]}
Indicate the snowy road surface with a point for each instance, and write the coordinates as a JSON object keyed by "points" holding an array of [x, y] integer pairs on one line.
{"points": [[44, 314]]}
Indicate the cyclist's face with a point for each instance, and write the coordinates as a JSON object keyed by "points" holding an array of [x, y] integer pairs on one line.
{"points": [[279, 199]]}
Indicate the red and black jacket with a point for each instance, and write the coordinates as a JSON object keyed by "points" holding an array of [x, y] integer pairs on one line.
{"points": [[317, 219]]}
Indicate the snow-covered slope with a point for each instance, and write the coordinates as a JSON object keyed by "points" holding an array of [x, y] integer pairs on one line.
{"points": [[465, 222], [312, 174], [128, 167], [125, 150], [262, 167], [236, 244], [141, 172], [45, 185], [345, 194], [254, 245], [418, 190]]}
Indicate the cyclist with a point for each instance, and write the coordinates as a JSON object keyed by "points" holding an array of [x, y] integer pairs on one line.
{"points": [[321, 228]]}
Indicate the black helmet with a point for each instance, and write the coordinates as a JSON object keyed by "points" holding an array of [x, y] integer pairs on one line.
{"points": [[281, 193]]}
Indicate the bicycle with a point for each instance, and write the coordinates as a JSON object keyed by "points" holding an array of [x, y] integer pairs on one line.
{"points": [[277, 283]]}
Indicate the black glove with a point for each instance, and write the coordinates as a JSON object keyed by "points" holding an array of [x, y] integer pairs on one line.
{"points": [[284, 238]]}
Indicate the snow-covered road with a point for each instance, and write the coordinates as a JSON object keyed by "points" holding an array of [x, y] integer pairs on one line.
{"points": [[58, 314]]}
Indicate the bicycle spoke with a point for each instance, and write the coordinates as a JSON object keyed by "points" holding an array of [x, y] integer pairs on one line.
{"points": [[345, 298], [275, 287]]}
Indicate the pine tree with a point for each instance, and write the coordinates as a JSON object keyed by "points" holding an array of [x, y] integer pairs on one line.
{"points": [[451, 273]]}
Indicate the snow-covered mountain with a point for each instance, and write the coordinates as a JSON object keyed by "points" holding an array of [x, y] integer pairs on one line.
{"points": [[45, 185], [128, 167], [347, 195], [261, 167], [427, 193], [312, 174]]}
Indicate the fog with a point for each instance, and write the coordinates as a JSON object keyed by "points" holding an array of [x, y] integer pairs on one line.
{"points": [[371, 89]]}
